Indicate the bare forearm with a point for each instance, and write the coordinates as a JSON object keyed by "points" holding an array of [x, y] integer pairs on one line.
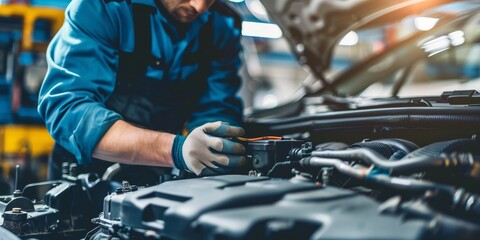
{"points": [[125, 143]]}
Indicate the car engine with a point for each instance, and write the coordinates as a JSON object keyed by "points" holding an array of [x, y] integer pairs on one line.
{"points": [[381, 188]]}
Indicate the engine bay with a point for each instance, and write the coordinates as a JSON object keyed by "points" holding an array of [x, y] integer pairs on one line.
{"points": [[383, 188]]}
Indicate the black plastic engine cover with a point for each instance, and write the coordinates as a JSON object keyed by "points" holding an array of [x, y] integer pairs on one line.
{"points": [[173, 207], [329, 213], [246, 207]]}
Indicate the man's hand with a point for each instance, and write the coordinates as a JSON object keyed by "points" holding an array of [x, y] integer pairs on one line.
{"points": [[206, 151]]}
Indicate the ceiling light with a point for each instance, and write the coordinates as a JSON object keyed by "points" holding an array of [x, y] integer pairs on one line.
{"points": [[263, 30]]}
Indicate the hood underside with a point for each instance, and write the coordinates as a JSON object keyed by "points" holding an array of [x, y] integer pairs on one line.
{"points": [[314, 27]]}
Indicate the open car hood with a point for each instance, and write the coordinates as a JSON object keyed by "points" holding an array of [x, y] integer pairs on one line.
{"points": [[314, 27]]}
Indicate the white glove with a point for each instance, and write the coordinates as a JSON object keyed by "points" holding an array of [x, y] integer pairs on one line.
{"points": [[205, 151]]}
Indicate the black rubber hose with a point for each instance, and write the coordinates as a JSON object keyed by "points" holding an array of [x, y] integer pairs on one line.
{"points": [[383, 149], [371, 157], [400, 147], [395, 117], [399, 144], [438, 148], [392, 148], [463, 162], [405, 184]]}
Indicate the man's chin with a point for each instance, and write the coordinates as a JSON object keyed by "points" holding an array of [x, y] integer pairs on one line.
{"points": [[179, 19], [184, 20], [184, 17]]}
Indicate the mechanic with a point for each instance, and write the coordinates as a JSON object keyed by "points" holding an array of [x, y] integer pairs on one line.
{"points": [[125, 77]]}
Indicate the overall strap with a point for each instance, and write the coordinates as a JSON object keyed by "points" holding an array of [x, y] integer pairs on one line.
{"points": [[134, 64], [143, 36]]}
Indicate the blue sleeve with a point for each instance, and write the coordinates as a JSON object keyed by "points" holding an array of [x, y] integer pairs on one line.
{"points": [[221, 102], [82, 62]]}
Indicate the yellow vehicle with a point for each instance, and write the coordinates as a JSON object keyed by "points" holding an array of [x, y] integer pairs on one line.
{"points": [[25, 31]]}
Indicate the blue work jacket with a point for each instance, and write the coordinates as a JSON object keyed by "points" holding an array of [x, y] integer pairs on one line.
{"points": [[81, 96]]}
